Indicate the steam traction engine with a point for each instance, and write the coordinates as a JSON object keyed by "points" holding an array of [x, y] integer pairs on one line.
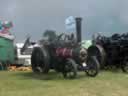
{"points": [[64, 55], [111, 51]]}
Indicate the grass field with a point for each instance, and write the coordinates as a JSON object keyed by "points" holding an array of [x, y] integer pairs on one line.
{"points": [[28, 84]]}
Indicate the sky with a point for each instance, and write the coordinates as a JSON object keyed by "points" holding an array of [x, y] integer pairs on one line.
{"points": [[33, 17]]}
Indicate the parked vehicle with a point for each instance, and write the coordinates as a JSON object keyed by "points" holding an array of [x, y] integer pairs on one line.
{"points": [[64, 54], [23, 52], [23, 59], [111, 51]]}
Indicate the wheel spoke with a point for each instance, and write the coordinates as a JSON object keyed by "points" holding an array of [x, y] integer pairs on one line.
{"points": [[71, 69]]}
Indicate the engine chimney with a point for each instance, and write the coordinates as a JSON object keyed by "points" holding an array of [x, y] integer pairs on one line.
{"points": [[78, 28]]}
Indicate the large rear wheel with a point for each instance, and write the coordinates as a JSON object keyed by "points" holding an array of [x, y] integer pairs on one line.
{"points": [[40, 60], [99, 52]]}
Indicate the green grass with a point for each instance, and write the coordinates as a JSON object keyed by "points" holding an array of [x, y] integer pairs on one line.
{"points": [[28, 84]]}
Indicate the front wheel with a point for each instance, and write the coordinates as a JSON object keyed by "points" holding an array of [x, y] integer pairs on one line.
{"points": [[70, 69], [93, 66]]}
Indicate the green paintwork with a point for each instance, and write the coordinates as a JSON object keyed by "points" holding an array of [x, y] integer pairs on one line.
{"points": [[7, 53]]}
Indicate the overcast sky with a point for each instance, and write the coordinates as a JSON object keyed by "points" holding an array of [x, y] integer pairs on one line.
{"points": [[34, 16]]}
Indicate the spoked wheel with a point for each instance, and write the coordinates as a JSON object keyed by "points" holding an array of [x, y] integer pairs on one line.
{"points": [[99, 52], [40, 60], [124, 67], [93, 66], [70, 70]]}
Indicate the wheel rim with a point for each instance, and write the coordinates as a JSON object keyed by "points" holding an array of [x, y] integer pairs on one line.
{"points": [[100, 54]]}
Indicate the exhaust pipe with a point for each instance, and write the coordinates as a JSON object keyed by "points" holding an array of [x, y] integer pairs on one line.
{"points": [[78, 28]]}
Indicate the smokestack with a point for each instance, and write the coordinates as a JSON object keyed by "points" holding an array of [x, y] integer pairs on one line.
{"points": [[78, 28]]}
